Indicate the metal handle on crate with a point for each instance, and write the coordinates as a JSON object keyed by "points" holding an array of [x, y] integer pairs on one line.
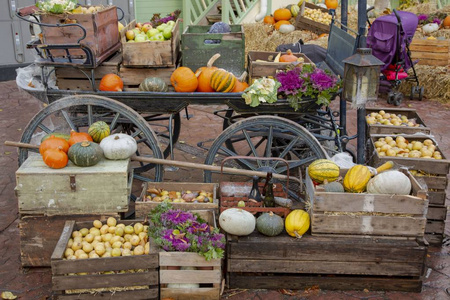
{"points": [[257, 158]]}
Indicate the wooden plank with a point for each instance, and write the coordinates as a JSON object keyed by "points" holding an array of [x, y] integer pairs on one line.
{"points": [[433, 182], [437, 212], [39, 235], [190, 276], [331, 267], [190, 294], [151, 293], [368, 225], [186, 260], [109, 66], [76, 84], [435, 227], [61, 246], [437, 198], [134, 77], [431, 52], [104, 280], [434, 239], [331, 282]]}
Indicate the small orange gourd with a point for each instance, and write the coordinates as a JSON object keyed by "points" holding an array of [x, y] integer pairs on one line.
{"points": [[331, 4], [53, 143], [204, 75], [111, 83], [282, 14], [282, 22], [269, 20], [55, 158], [446, 22], [288, 57], [76, 137], [241, 84], [184, 80]]}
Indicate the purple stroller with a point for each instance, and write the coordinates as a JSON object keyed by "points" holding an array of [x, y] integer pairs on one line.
{"points": [[389, 37]]}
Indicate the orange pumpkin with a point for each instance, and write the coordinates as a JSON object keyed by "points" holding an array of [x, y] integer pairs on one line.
{"points": [[111, 83], [288, 57], [240, 85], [269, 20], [184, 80], [331, 4], [204, 75], [282, 14], [323, 35], [446, 22], [76, 137], [54, 143], [55, 158], [282, 22]]}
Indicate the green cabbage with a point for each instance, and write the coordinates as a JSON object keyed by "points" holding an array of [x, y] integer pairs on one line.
{"points": [[57, 6]]}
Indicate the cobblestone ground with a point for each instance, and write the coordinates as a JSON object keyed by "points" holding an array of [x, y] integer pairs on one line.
{"points": [[18, 108]]}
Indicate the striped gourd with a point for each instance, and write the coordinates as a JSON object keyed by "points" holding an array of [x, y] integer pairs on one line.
{"points": [[222, 81], [98, 131], [322, 169], [356, 179]]}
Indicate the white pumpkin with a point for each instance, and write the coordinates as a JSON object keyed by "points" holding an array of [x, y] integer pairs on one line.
{"points": [[430, 28], [286, 28], [389, 182], [118, 146], [237, 221]]}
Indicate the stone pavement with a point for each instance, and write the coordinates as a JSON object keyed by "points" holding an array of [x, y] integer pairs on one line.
{"points": [[18, 108]]}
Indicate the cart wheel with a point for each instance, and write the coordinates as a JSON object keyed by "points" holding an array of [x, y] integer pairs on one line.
{"points": [[265, 136], [421, 92], [398, 98], [79, 111], [413, 91], [160, 125], [390, 99]]}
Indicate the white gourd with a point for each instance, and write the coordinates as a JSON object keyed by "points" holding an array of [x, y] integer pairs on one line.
{"points": [[237, 221], [430, 28], [389, 182], [286, 28], [118, 146]]}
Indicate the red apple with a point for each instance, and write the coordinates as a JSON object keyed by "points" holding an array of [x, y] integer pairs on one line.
{"points": [[146, 27], [138, 25]]}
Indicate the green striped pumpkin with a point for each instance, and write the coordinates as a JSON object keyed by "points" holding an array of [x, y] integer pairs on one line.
{"points": [[98, 131], [222, 81], [322, 169], [85, 154], [153, 84]]}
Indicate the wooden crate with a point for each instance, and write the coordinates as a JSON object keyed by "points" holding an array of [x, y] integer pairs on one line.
{"points": [[302, 23], [390, 129], [436, 185], [75, 79], [100, 189], [195, 52], [143, 208], [432, 166], [65, 277], [260, 66], [233, 192], [39, 235], [208, 274], [368, 215], [345, 263], [132, 77], [430, 52], [102, 33], [151, 53]]}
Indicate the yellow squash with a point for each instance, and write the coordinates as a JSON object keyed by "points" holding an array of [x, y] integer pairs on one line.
{"points": [[357, 177], [297, 223]]}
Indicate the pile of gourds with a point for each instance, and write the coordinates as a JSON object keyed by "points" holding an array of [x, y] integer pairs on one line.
{"points": [[85, 149]]}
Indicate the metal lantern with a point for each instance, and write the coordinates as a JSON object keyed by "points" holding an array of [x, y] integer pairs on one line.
{"points": [[361, 77]]}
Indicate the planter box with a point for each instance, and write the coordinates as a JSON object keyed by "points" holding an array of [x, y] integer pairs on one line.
{"points": [[391, 129], [209, 280], [431, 52], [302, 23], [143, 208], [195, 52], [39, 235], [151, 53], [130, 285], [345, 263], [102, 33], [260, 66], [364, 215], [428, 165], [100, 189]]}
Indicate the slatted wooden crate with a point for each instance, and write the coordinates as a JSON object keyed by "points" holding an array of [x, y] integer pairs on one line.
{"points": [[431, 52], [436, 185], [143, 207], [367, 215], [102, 33], [391, 129], [67, 284], [151, 53], [302, 23], [39, 235], [259, 64], [345, 263], [132, 77]]}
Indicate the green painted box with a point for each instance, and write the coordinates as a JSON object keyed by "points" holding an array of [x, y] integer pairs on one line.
{"points": [[196, 50]]}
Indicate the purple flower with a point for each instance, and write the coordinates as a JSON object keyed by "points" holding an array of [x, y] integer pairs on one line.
{"points": [[290, 81], [177, 240], [321, 80], [423, 17], [176, 217], [198, 227], [437, 21]]}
